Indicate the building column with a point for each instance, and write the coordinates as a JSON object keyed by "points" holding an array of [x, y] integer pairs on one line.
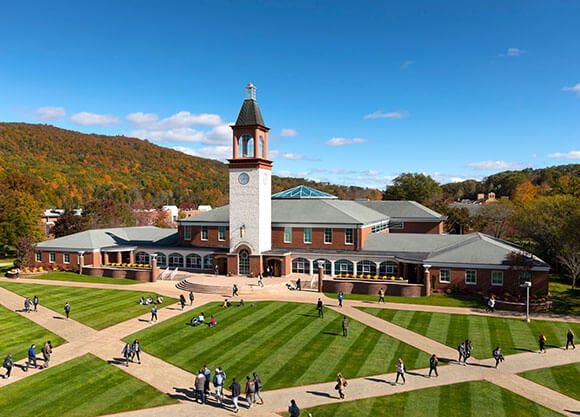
{"points": [[154, 269], [105, 258], [81, 261], [378, 265], [311, 266], [354, 267], [332, 268], [427, 280], [119, 258]]}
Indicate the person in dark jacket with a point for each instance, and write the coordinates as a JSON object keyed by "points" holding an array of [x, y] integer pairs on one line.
{"points": [[570, 339], [67, 309], [136, 351], [8, 364], [46, 352], [293, 410], [31, 357], [182, 301], [345, 326], [320, 308], [126, 352], [191, 297], [258, 383], [35, 303], [433, 361], [498, 356], [236, 390]]}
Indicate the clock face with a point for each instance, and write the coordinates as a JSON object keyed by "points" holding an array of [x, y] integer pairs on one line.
{"points": [[244, 178]]}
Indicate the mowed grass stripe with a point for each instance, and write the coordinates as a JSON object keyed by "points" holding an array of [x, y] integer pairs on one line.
{"points": [[82, 387], [563, 379], [512, 335], [94, 307], [17, 333]]}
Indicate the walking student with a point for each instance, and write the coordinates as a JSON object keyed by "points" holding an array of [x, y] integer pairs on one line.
{"points": [[542, 342], [153, 313], [235, 291], [250, 391], [260, 281], [46, 352], [381, 295], [467, 351], [461, 350], [31, 357], [8, 364], [345, 326], [236, 390], [136, 351], [200, 386], [126, 352], [299, 284], [182, 301], [207, 373], [433, 362], [498, 356], [491, 304], [340, 298], [340, 385], [27, 304], [67, 309], [400, 371], [219, 378], [191, 298], [258, 383], [570, 339], [320, 308], [35, 303]]}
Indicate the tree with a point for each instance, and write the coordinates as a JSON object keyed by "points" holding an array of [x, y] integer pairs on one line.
{"points": [[68, 223], [494, 219], [571, 261], [106, 212], [458, 219], [24, 251], [414, 187], [19, 216]]}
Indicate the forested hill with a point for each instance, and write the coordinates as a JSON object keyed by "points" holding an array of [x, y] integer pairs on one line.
{"points": [[60, 168]]}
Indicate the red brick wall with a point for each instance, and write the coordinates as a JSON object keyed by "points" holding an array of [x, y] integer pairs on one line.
{"points": [[420, 227], [212, 237], [338, 236]]}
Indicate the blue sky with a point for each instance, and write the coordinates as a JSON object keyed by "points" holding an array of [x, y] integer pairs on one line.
{"points": [[354, 92]]}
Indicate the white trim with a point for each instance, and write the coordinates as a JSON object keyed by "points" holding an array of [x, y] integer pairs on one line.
{"points": [[502, 279], [475, 272], [448, 279]]}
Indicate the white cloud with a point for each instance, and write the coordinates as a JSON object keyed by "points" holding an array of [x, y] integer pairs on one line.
{"points": [[344, 141], [371, 172], [513, 52], [574, 88], [275, 154], [86, 119], [495, 165], [379, 114], [220, 153], [151, 121], [406, 64], [446, 178], [567, 155], [49, 113], [142, 120], [219, 135], [289, 132]]}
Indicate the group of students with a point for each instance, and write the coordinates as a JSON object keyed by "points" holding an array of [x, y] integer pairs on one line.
{"points": [[46, 350], [28, 303], [199, 320], [201, 387], [130, 351], [149, 300]]}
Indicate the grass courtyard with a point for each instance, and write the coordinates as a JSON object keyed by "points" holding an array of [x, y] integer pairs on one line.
{"points": [[477, 399], [82, 387], [563, 379], [440, 299], [69, 276], [17, 334], [513, 335], [95, 307], [286, 343]]}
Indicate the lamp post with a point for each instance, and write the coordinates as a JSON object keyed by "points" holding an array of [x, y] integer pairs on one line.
{"points": [[527, 284]]}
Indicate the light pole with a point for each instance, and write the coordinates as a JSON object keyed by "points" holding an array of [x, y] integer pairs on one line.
{"points": [[527, 284]]}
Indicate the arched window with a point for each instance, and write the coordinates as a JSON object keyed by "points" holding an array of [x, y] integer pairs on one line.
{"points": [[161, 260], [142, 258], [325, 265], [208, 262], [388, 268], [261, 149], [300, 266], [343, 266], [243, 262], [193, 261], [366, 267], [175, 260], [247, 146]]}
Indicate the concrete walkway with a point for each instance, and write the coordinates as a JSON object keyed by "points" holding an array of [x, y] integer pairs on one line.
{"points": [[177, 382]]}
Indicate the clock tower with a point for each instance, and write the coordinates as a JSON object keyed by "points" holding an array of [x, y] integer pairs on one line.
{"points": [[250, 190]]}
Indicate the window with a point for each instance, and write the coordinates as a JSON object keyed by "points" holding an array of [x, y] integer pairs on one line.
{"points": [[300, 266], [524, 277], [328, 235], [247, 146], [287, 235], [471, 277], [396, 225], [51, 257], [142, 258], [445, 276], [175, 260], [379, 227], [261, 155], [366, 267], [388, 268], [66, 258], [193, 261], [38, 257], [161, 260], [208, 262], [325, 265], [244, 262], [204, 233], [497, 278], [344, 266], [308, 235], [222, 233], [349, 236], [186, 232]]}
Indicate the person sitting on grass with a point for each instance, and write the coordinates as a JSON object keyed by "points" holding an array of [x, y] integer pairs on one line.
{"points": [[241, 303], [196, 321], [142, 301], [227, 303], [159, 299], [212, 322]]}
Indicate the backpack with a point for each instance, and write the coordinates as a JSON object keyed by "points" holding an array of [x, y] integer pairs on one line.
{"points": [[258, 382], [251, 386], [218, 379]]}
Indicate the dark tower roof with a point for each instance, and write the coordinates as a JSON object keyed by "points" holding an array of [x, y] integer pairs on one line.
{"points": [[250, 114]]}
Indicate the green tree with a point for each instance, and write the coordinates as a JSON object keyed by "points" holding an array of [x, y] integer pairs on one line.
{"points": [[495, 219], [414, 187], [106, 212], [24, 251], [68, 223], [19, 216]]}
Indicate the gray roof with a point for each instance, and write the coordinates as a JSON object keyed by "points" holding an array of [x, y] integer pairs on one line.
{"points": [[250, 114], [472, 208], [304, 211], [475, 248], [403, 209], [105, 238]]}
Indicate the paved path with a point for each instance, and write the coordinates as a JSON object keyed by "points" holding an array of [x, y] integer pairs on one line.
{"points": [[177, 382]]}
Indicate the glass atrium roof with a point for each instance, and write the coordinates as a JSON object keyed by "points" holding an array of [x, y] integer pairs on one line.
{"points": [[303, 192]]}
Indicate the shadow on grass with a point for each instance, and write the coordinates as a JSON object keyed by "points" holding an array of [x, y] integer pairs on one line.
{"points": [[416, 374], [174, 308], [321, 394], [117, 361], [330, 333], [384, 381], [525, 350], [446, 360], [143, 320], [573, 412], [307, 315], [59, 317]]}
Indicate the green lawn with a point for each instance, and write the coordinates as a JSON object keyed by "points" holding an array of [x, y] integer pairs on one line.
{"points": [[94, 307], [69, 276], [82, 387], [513, 335], [477, 399], [18, 333], [563, 379], [434, 300], [565, 300], [286, 343]]}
